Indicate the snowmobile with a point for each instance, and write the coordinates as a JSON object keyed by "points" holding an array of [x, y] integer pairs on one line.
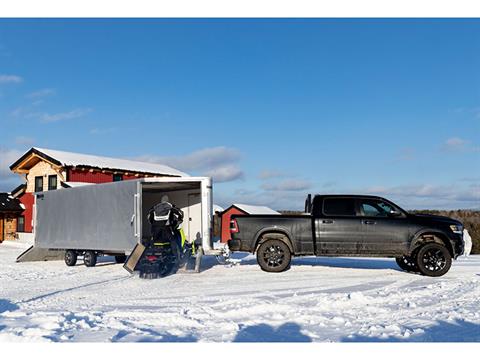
{"points": [[166, 249]]}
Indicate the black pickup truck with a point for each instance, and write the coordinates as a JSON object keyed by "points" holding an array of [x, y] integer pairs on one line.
{"points": [[350, 225]]}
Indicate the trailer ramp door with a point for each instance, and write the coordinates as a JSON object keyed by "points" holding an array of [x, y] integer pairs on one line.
{"points": [[134, 257]]}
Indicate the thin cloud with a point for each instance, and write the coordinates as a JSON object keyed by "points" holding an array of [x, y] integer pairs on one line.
{"points": [[24, 140], [226, 173], [42, 93], [219, 162], [74, 114], [98, 131], [427, 195], [407, 154], [7, 158], [10, 79], [288, 185], [270, 174], [455, 144]]}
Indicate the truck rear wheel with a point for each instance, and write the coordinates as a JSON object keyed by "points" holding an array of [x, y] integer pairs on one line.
{"points": [[274, 256], [434, 260], [70, 257], [90, 258], [407, 263]]}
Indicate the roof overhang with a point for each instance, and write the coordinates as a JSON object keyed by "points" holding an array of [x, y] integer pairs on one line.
{"points": [[30, 159]]}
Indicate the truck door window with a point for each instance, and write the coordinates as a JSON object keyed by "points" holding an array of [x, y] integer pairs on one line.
{"points": [[339, 207], [375, 208]]}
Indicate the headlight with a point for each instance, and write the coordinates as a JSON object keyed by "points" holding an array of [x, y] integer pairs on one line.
{"points": [[457, 229]]}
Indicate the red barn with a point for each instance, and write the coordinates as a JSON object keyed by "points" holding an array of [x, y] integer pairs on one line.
{"points": [[47, 170], [241, 209]]}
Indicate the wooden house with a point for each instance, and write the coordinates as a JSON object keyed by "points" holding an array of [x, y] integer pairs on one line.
{"points": [[10, 220], [48, 170]]}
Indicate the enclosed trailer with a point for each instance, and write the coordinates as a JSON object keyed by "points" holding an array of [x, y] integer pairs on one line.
{"points": [[111, 218]]}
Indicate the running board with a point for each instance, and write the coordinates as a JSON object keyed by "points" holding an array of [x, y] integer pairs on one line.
{"points": [[37, 254]]}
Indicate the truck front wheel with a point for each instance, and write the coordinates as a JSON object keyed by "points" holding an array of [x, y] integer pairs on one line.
{"points": [[434, 260], [274, 256], [90, 258], [70, 257]]}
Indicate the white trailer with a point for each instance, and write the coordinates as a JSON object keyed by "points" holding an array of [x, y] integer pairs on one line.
{"points": [[111, 218]]}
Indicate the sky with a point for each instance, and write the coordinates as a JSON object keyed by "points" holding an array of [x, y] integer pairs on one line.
{"points": [[273, 109]]}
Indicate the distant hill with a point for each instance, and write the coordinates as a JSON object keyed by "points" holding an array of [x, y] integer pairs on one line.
{"points": [[469, 218]]}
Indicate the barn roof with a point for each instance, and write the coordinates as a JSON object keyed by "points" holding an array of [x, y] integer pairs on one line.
{"points": [[256, 210], [8, 203], [64, 158]]}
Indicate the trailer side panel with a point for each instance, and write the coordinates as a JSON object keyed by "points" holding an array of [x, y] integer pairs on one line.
{"points": [[97, 217]]}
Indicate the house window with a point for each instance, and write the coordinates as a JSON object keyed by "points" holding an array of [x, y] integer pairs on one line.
{"points": [[117, 177], [52, 182], [38, 183], [21, 224]]}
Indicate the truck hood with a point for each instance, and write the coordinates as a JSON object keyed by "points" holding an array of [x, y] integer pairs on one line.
{"points": [[436, 218]]}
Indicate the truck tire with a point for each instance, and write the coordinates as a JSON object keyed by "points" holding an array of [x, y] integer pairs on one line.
{"points": [[274, 256], [120, 259], [90, 258], [433, 260], [70, 257], [407, 263]]}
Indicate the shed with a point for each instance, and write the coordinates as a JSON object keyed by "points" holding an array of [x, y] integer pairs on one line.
{"points": [[10, 209], [241, 209]]}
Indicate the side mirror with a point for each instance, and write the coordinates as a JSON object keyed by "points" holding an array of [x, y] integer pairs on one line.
{"points": [[395, 213]]}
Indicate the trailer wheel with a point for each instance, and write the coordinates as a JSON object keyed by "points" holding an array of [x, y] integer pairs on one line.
{"points": [[90, 258], [120, 259], [274, 256], [70, 257]]}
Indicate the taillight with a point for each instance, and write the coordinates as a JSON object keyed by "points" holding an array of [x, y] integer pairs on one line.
{"points": [[233, 226], [151, 258]]}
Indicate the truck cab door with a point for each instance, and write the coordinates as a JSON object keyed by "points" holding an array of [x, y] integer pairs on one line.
{"points": [[337, 228], [385, 230]]}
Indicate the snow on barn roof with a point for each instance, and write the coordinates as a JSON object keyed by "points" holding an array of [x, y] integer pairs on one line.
{"points": [[74, 159], [256, 210]]}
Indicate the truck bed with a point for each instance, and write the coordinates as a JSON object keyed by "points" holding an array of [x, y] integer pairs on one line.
{"points": [[298, 228]]}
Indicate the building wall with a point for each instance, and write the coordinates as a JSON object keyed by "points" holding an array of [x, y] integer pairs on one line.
{"points": [[225, 236], [8, 226], [27, 199], [43, 169], [95, 177]]}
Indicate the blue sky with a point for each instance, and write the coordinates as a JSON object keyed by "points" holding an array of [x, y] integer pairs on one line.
{"points": [[273, 109]]}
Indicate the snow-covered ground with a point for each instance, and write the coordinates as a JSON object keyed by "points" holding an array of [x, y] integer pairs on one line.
{"points": [[318, 299]]}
